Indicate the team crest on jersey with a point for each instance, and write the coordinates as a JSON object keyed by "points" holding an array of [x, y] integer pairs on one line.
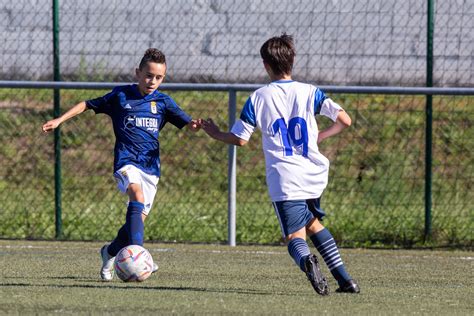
{"points": [[153, 107]]}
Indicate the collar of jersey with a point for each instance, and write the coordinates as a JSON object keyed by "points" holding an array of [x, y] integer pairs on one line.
{"points": [[283, 81]]}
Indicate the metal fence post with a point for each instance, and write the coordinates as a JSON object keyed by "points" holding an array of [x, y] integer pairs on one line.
{"points": [[232, 176], [429, 121], [57, 131]]}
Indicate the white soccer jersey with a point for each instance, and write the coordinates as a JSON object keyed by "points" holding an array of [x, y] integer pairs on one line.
{"points": [[284, 111]]}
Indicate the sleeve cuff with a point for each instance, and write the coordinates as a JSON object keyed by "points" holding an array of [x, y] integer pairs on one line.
{"points": [[330, 109], [242, 130]]}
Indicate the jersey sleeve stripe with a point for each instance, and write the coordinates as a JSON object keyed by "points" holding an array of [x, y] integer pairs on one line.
{"points": [[248, 113], [319, 98]]}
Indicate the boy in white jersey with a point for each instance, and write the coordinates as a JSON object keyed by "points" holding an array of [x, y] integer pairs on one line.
{"points": [[297, 173]]}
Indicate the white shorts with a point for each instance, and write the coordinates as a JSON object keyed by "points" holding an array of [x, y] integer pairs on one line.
{"points": [[131, 174]]}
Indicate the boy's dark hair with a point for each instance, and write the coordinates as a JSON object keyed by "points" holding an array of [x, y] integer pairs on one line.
{"points": [[152, 55], [279, 53]]}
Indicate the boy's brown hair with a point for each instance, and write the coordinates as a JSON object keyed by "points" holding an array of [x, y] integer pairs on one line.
{"points": [[279, 53], [152, 55]]}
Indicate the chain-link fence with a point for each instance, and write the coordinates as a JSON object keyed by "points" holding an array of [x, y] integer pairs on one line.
{"points": [[348, 42], [376, 189], [375, 194]]}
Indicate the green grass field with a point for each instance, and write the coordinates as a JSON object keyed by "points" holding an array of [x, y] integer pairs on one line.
{"points": [[39, 277]]}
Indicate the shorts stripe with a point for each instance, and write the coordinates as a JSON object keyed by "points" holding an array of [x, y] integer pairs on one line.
{"points": [[279, 219]]}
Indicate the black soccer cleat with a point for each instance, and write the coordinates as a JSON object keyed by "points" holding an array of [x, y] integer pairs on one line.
{"points": [[349, 287], [315, 276]]}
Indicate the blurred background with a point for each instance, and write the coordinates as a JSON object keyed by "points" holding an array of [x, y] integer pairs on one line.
{"points": [[342, 42]]}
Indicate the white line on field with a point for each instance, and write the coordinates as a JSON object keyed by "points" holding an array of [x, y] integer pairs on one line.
{"points": [[258, 252], [215, 251]]}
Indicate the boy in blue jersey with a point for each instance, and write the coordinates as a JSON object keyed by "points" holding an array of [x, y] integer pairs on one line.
{"points": [[296, 172], [138, 112]]}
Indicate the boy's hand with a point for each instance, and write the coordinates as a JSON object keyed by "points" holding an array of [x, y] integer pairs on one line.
{"points": [[210, 127], [51, 125], [212, 130], [195, 125]]}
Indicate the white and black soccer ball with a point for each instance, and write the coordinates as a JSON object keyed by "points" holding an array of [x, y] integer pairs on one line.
{"points": [[133, 263]]}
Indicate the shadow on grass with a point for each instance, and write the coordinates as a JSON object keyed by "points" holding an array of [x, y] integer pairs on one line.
{"points": [[134, 287]]}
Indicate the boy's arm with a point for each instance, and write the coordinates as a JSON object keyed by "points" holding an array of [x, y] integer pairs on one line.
{"points": [[343, 121], [212, 130], [75, 110]]}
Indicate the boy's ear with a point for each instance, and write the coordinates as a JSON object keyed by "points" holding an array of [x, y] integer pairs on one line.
{"points": [[137, 72]]}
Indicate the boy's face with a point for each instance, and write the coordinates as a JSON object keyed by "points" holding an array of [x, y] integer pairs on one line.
{"points": [[150, 77]]}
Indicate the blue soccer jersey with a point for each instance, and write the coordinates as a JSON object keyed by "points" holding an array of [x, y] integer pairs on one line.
{"points": [[137, 121]]}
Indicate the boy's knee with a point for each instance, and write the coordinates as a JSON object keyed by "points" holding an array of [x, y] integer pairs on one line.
{"points": [[314, 227], [135, 193], [298, 234]]}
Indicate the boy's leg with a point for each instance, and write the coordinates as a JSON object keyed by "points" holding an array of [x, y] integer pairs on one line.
{"points": [[134, 223], [298, 249], [326, 246], [293, 216], [119, 242], [141, 189], [109, 252], [131, 233], [308, 263], [141, 198]]}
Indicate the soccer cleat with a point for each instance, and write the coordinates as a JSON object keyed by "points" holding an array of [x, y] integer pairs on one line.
{"points": [[107, 269], [155, 268], [315, 276], [349, 287]]}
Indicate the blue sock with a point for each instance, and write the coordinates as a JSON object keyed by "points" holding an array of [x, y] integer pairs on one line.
{"points": [[299, 250], [324, 242], [119, 242], [134, 223]]}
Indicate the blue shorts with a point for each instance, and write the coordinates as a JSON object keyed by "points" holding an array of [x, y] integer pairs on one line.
{"points": [[294, 215]]}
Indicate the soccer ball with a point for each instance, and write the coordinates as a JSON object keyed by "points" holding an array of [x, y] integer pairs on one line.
{"points": [[133, 263]]}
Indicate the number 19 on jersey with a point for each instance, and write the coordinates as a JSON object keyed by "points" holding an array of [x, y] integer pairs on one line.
{"points": [[295, 134]]}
